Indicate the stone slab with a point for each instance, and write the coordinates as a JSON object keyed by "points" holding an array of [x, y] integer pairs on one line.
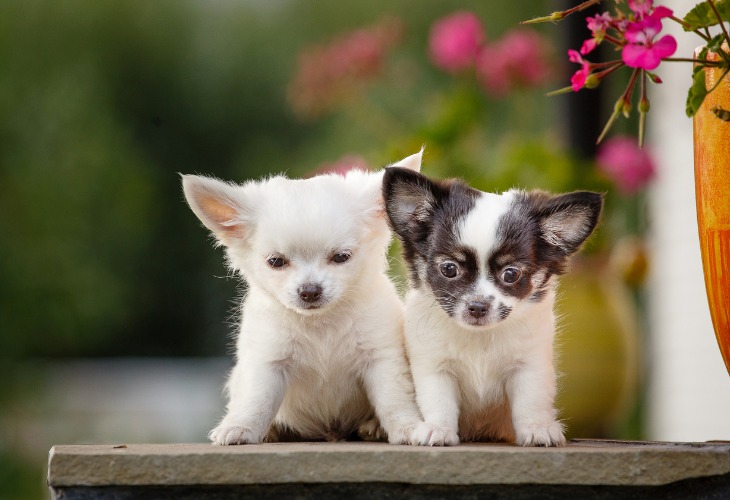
{"points": [[580, 463]]}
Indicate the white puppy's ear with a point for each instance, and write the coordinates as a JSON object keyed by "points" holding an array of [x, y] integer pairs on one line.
{"points": [[219, 206], [369, 185], [412, 162]]}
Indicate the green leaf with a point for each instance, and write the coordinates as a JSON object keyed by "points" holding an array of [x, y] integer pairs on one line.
{"points": [[697, 92], [702, 16], [714, 45]]}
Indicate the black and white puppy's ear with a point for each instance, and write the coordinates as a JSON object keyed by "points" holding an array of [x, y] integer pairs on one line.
{"points": [[219, 206], [567, 220], [410, 199]]}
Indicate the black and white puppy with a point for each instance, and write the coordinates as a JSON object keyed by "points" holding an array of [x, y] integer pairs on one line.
{"points": [[479, 322]]}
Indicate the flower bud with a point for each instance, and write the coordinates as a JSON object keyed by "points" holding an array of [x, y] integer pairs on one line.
{"points": [[552, 18], [644, 105], [626, 108], [654, 78], [592, 81], [557, 16]]}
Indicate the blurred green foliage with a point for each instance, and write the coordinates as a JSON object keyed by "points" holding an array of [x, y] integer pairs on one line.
{"points": [[102, 104]]}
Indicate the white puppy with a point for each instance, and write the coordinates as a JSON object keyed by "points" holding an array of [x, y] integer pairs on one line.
{"points": [[320, 349], [479, 317]]}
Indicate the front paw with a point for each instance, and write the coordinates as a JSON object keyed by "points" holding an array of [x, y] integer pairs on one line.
{"points": [[538, 434], [442, 436], [372, 431], [227, 434], [425, 434]]}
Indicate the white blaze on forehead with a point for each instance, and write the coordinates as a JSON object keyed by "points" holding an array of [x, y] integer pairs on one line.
{"points": [[478, 230]]}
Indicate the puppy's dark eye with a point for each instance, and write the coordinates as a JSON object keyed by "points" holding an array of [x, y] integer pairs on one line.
{"points": [[341, 257], [449, 269], [276, 261], [511, 275]]}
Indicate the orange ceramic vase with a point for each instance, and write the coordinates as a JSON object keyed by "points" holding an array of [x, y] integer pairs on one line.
{"points": [[712, 189]]}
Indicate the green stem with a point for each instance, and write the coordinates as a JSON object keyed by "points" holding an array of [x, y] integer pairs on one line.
{"points": [[643, 109], [630, 89], [614, 40], [560, 15], [605, 64], [616, 110], [564, 90], [719, 19], [677, 20], [703, 62], [583, 6]]}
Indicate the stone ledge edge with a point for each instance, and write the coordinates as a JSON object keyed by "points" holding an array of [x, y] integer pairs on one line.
{"points": [[579, 463]]}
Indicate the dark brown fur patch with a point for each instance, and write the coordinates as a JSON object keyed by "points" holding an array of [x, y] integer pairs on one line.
{"points": [[423, 214]]}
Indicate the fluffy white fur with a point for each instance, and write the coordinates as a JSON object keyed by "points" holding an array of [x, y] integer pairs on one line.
{"points": [[317, 371], [464, 378], [465, 374], [482, 364]]}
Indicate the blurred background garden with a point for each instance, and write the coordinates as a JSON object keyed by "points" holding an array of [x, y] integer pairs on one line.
{"points": [[116, 312]]}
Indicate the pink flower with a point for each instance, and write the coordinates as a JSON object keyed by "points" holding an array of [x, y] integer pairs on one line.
{"points": [[454, 41], [516, 60], [640, 7], [493, 70], [642, 51], [626, 164], [588, 46], [578, 80], [329, 74], [341, 166], [599, 23], [527, 54]]}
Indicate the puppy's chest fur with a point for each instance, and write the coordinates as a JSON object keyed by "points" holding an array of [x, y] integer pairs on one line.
{"points": [[481, 365], [325, 353], [323, 363], [480, 362]]}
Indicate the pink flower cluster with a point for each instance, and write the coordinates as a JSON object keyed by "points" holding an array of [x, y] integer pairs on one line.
{"points": [[626, 164], [457, 43], [341, 166], [636, 35], [455, 40], [328, 74]]}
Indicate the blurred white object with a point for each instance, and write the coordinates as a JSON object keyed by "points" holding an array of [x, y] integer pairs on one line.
{"points": [[118, 401], [688, 385]]}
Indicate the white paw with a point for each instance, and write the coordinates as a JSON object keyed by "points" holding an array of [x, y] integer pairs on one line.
{"points": [[539, 434], [226, 434], [372, 431], [400, 436], [425, 434]]}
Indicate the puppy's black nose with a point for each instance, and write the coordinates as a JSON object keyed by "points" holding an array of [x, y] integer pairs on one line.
{"points": [[478, 309], [310, 292]]}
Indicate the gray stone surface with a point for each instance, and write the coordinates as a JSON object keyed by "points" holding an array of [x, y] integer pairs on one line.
{"points": [[581, 462]]}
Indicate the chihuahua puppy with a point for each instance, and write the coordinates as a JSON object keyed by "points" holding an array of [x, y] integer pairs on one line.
{"points": [[320, 350], [479, 321]]}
